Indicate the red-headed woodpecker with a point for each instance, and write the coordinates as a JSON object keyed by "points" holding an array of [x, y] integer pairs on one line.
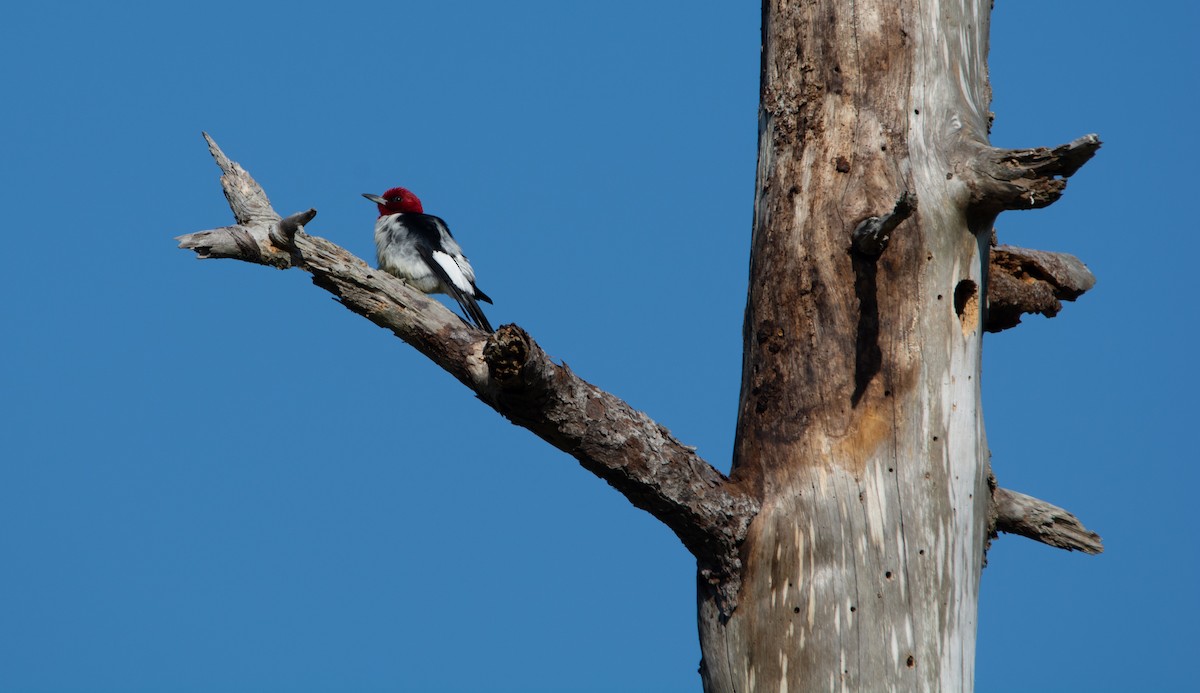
{"points": [[419, 249]]}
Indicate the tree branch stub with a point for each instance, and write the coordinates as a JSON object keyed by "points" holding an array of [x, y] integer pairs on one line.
{"points": [[872, 234], [1017, 513], [1004, 179], [1022, 281], [284, 233]]}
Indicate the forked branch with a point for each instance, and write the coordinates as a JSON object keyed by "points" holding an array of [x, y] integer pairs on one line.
{"points": [[509, 372]]}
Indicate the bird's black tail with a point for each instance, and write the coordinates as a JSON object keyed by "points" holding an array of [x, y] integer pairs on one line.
{"points": [[473, 311], [465, 300]]}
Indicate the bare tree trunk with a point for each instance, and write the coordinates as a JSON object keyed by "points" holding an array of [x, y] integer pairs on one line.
{"points": [[844, 551], [859, 426]]}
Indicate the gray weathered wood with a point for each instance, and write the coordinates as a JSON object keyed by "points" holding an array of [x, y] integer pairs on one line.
{"points": [[1017, 513]]}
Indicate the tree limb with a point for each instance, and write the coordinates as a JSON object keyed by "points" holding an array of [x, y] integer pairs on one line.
{"points": [[1017, 513], [1022, 281], [509, 372]]}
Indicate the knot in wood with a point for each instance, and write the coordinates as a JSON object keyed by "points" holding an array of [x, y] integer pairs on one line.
{"points": [[506, 353]]}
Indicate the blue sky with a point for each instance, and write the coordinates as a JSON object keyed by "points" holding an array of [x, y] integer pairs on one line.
{"points": [[212, 477]]}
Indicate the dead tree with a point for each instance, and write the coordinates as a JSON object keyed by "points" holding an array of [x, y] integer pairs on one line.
{"points": [[844, 550]]}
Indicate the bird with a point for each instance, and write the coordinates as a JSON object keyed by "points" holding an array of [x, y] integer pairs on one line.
{"points": [[418, 248]]}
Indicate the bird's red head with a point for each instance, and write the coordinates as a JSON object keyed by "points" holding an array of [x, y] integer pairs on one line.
{"points": [[397, 201]]}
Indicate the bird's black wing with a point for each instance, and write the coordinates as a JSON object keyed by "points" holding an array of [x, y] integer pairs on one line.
{"points": [[429, 229], [425, 227], [465, 300]]}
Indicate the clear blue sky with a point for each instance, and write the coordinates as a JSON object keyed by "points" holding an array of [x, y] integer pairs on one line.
{"points": [[214, 478]]}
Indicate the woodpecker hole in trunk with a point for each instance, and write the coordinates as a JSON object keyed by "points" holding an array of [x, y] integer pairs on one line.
{"points": [[966, 305]]}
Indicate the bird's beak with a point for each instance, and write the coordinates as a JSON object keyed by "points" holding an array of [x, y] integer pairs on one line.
{"points": [[375, 198]]}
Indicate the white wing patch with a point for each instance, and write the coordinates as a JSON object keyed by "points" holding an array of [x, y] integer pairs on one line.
{"points": [[461, 280]]}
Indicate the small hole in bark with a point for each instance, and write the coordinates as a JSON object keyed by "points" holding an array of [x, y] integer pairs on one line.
{"points": [[939, 297], [911, 662], [917, 111], [795, 610], [949, 176], [935, 437], [922, 552], [888, 575], [853, 609], [887, 393], [890, 469], [883, 147]]}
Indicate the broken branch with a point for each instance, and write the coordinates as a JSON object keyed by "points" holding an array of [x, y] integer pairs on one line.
{"points": [[1023, 281], [872, 234], [1025, 178], [1017, 513]]}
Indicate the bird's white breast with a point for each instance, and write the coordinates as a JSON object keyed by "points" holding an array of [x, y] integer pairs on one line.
{"points": [[396, 251]]}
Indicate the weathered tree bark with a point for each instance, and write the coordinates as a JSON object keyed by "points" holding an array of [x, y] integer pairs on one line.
{"points": [[859, 427], [844, 551]]}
